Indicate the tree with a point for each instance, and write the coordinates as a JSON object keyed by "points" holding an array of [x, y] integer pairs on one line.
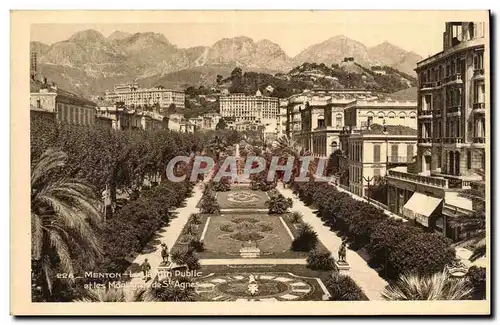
{"points": [[306, 240], [477, 278], [320, 261], [63, 213], [378, 191], [171, 108], [438, 286], [221, 125], [278, 204], [473, 226], [219, 79], [103, 295]]}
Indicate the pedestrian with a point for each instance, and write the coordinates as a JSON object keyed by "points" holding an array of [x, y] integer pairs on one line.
{"points": [[146, 267]]}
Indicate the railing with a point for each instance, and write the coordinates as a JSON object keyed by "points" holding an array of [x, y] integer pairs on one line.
{"points": [[453, 140], [427, 180], [457, 77], [424, 140], [454, 109], [426, 112], [432, 84], [399, 159], [478, 139], [478, 106], [437, 140]]}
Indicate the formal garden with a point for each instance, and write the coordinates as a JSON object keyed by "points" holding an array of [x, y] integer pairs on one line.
{"points": [[100, 202]]}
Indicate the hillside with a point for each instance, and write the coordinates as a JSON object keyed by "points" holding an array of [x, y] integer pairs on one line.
{"points": [[88, 62]]}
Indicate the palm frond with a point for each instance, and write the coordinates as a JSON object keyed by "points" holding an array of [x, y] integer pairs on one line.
{"points": [[49, 160]]}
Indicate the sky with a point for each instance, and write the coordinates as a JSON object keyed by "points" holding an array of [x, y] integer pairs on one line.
{"points": [[419, 31]]}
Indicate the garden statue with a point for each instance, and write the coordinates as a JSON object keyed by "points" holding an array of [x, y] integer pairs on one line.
{"points": [[342, 252], [253, 287]]}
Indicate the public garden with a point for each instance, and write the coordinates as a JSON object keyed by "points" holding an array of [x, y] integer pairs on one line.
{"points": [[256, 240]]}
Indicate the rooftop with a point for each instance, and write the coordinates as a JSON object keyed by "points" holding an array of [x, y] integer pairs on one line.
{"points": [[69, 97], [378, 129]]}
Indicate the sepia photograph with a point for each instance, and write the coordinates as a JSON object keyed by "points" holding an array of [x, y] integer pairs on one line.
{"points": [[250, 163]]}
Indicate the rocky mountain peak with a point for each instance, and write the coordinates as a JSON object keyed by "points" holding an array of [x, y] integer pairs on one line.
{"points": [[88, 36]]}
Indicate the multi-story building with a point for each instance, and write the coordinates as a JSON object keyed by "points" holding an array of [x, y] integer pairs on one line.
{"points": [[282, 120], [370, 152], [255, 109], [132, 95], [123, 118], [452, 104], [316, 118], [210, 120], [61, 105], [362, 113]]}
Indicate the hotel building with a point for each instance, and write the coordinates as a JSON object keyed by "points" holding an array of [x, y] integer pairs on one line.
{"points": [[132, 95], [452, 104], [254, 109], [315, 118]]}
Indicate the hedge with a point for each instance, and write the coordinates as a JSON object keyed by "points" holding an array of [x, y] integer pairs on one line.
{"points": [[402, 247]]}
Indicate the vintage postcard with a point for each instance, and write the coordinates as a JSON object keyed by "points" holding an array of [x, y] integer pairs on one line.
{"points": [[250, 163]]}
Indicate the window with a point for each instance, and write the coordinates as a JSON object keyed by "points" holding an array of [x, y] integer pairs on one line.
{"points": [[469, 160], [38, 103], [376, 172], [394, 151], [370, 120], [409, 153], [376, 153]]}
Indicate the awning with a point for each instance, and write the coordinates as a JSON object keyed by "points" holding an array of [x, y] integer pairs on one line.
{"points": [[420, 207]]}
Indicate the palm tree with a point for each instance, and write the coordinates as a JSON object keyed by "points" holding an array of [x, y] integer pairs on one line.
{"points": [[473, 225], [217, 145], [103, 295], [438, 286], [287, 147], [63, 211], [171, 289]]}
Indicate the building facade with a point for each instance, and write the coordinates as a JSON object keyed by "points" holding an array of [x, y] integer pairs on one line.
{"points": [[132, 95], [254, 109], [210, 120], [315, 118], [361, 114], [61, 105], [371, 153], [452, 104]]}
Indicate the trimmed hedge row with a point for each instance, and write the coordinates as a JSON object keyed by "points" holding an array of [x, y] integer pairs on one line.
{"points": [[397, 246], [133, 226]]}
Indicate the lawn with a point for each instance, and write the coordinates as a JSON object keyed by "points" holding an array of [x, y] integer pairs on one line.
{"points": [[242, 198]]}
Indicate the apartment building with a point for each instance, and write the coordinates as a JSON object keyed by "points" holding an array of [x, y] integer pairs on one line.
{"points": [[370, 152], [315, 118], [255, 109], [63, 106], [132, 95], [210, 120], [362, 113], [452, 108]]}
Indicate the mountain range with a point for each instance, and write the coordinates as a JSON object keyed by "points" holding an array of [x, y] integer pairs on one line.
{"points": [[89, 63]]}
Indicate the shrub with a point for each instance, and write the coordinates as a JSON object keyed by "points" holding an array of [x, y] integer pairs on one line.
{"points": [[343, 288], [306, 240], [320, 261], [223, 185], [279, 204], [477, 278], [187, 257], [196, 245], [195, 218], [401, 246], [209, 205], [295, 217]]}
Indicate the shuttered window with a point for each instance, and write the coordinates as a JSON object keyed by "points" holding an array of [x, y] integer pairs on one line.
{"points": [[376, 153]]}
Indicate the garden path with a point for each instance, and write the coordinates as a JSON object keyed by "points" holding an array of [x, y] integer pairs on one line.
{"points": [[366, 277], [253, 261]]}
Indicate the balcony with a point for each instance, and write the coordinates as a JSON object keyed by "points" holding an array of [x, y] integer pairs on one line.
{"points": [[478, 107], [453, 79], [425, 113], [453, 140], [454, 110], [478, 74], [400, 159], [424, 140], [479, 140], [429, 85], [415, 178]]}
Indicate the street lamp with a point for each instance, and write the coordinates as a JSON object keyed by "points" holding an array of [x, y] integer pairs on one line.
{"points": [[368, 180]]}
